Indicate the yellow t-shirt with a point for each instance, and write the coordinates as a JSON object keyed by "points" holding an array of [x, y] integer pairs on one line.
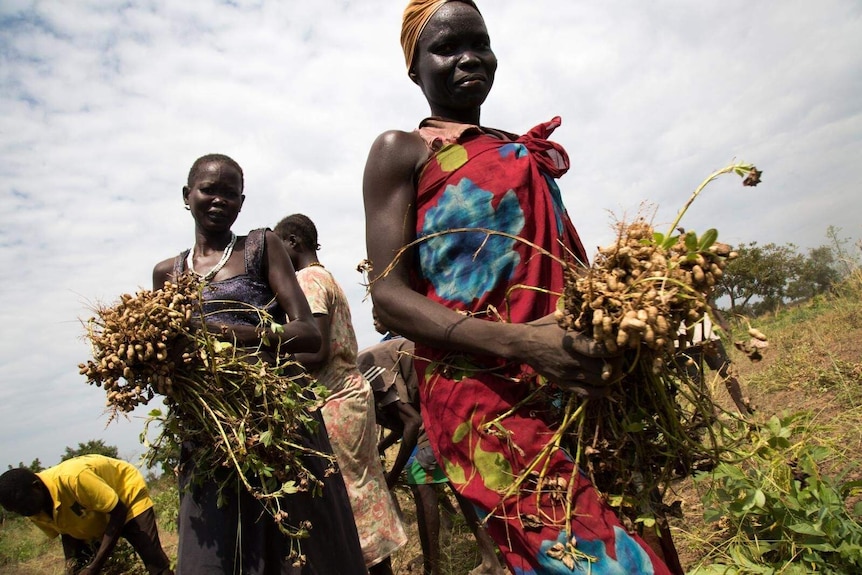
{"points": [[85, 489]]}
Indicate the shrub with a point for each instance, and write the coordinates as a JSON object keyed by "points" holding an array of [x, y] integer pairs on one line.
{"points": [[778, 512], [166, 502]]}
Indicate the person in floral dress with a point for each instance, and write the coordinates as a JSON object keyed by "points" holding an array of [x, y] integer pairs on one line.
{"points": [[349, 409], [465, 232]]}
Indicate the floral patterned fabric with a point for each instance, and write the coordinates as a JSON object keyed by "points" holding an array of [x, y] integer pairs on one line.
{"points": [[325, 297], [479, 178], [350, 421]]}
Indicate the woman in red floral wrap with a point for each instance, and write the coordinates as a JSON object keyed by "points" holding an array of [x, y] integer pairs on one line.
{"points": [[477, 291]]}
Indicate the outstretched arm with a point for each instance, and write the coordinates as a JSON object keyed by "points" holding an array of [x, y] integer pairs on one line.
{"points": [[390, 212]]}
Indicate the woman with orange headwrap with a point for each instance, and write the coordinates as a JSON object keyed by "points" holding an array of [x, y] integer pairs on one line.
{"points": [[479, 306]]}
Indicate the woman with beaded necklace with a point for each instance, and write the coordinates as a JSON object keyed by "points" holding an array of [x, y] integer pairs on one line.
{"points": [[236, 535], [480, 306]]}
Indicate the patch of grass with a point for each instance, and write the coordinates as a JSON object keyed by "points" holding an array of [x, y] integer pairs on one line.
{"points": [[815, 347], [25, 549], [166, 502], [21, 541]]}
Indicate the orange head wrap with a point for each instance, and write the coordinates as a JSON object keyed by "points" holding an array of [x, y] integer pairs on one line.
{"points": [[416, 16]]}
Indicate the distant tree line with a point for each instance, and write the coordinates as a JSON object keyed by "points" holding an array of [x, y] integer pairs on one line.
{"points": [[96, 446], [763, 278]]}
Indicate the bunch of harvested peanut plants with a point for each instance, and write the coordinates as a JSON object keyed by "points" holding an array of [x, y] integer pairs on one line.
{"points": [[643, 296], [238, 412]]}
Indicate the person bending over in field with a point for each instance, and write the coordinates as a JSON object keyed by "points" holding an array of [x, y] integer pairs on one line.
{"points": [[703, 348], [349, 409], [90, 502]]}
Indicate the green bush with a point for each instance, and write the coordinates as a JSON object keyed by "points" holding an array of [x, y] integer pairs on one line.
{"points": [[779, 513], [166, 502]]}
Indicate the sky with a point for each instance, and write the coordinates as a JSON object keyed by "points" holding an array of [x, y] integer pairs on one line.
{"points": [[105, 104]]}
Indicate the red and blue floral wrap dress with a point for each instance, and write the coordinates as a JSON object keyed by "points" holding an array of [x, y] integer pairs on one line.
{"points": [[503, 185]]}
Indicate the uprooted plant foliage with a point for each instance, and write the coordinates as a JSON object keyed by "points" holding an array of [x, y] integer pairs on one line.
{"points": [[643, 296], [240, 413]]}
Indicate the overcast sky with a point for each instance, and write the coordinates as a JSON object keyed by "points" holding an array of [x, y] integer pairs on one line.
{"points": [[105, 104]]}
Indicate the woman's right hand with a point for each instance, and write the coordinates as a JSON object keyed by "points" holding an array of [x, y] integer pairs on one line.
{"points": [[569, 359]]}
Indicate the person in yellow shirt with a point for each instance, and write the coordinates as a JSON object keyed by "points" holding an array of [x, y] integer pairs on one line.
{"points": [[90, 502]]}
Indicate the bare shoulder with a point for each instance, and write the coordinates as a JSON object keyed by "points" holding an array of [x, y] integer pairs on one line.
{"points": [[270, 238], [398, 151], [397, 138], [162, 272]]}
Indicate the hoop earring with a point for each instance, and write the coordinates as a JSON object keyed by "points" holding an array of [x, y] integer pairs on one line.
{"points": [[188, 207]]}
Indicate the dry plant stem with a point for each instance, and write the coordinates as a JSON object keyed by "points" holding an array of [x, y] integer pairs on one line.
{"points": [[570, 492], [400, 253], [227, 444], [700, 188], [549, 448], [557, 438], [508, 413]]}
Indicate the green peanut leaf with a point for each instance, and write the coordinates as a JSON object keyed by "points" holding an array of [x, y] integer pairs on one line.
{"points": [[670, 241], [708, 238], [691, 241], [266, 438]]}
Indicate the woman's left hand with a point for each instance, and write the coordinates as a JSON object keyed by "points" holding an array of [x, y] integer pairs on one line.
{"points": [[570, 359]]}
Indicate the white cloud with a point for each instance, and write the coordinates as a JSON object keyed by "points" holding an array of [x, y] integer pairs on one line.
{"points": [[104, 106]]}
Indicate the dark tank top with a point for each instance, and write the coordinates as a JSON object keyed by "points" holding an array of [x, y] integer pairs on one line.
{"points": [[210, 519], [235, 301]]}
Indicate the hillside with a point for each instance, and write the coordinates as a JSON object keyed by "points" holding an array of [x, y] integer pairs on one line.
{"points": [[813, 367]]}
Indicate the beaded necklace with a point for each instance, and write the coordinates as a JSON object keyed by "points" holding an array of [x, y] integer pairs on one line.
{"points": [[225, 256]]}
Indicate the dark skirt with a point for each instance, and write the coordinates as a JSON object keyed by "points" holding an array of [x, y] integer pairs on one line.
{"points": [[240, 537]]}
